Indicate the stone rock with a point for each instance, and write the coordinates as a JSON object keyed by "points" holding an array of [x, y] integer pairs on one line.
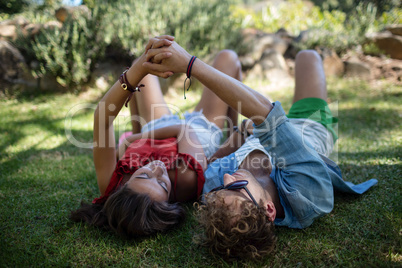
{"points": [[280, 78], [262, 44], [285, 35], [64, 12], [281, 46], [387, 42], [270, 80], [261, 71], [8, 31], [333, 65], [257, 42], [18, 21], [256, 72], [31, 30], [16, 75], [14, 72], [271, 59], [11, 62], [306, 35], [384, 68], [285, 41], [247, 62], [52, 25], [356, 68], [395, 29]]}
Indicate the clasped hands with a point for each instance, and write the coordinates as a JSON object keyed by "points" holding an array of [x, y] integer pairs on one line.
{"points": [[164, 57]]}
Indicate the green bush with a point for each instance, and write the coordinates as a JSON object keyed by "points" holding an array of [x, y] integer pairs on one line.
{"points": [[348, 6], [200, 26], [334, 29], [122, 29], [341, 32], [69, 53]]}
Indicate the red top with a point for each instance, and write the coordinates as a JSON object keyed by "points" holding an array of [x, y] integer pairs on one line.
{"points": [[143, 151]]}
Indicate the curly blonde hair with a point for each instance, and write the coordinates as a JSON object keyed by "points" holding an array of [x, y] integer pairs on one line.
{"points": [[249, 235]]}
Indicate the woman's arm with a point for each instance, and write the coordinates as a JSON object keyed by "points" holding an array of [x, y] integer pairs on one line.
{"points": [[109, 106], [187, 139], [235, 141], [187, 143]]}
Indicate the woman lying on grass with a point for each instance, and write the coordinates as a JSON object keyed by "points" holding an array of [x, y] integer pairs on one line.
{"points": [[162, 161]]}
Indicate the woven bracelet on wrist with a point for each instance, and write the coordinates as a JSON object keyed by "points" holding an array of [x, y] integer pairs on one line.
{"points": [[127, 86], [188, 73]]}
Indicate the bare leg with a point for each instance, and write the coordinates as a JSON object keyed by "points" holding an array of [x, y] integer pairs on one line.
{"points": [[310, 76], [135, 123], [145, 106], [148, 104], [214, 109]]}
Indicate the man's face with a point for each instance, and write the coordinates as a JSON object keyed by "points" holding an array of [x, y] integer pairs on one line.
{"points": [[234, 198]]}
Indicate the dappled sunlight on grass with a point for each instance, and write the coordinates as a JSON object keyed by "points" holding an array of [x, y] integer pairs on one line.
{"points": [[45, 141], [44, 176]]}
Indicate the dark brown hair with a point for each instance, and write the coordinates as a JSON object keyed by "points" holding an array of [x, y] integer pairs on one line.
{"points": [[130, 214], [249, 235]]}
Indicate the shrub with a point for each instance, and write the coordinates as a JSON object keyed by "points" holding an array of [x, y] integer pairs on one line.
{"points": [[348, 6], [200, 26], [69, 53], [335, 29], [122, 28], [342, 32]]}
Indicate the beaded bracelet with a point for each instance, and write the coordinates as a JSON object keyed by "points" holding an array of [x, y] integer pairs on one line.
{"points": [[127, 86]]}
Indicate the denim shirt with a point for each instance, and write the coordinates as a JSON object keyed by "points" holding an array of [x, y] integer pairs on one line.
{"points": [[305, 179]]}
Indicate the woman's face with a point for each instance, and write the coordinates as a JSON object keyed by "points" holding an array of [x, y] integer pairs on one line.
{"points": [[152, 179]]}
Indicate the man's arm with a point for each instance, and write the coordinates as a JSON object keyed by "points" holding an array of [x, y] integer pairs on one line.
{"points": [[234, 142], [298, 171], [241, 98]]}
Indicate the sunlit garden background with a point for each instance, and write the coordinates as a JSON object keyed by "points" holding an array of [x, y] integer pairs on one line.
{"points": [[58, 58]]}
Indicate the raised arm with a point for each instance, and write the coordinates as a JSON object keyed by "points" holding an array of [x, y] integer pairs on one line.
{"points": [[109, 106], [243, 99]]}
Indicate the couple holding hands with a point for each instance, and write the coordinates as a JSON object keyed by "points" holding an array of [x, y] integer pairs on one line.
{"points": [[273, 169]]}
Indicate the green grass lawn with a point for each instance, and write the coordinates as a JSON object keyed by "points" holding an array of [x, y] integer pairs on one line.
{"points": [[43, 176]]}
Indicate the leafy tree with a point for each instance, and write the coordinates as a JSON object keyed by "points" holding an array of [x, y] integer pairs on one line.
{"points": [[348, 6]]}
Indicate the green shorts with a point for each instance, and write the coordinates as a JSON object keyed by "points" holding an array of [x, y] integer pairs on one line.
{"points": [[309, 107]]}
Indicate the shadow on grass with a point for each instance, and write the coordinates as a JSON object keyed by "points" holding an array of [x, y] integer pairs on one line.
{"points": [[36, 203]]}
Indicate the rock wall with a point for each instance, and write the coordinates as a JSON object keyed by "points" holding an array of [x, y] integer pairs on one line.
{"points": [[271, 56]]}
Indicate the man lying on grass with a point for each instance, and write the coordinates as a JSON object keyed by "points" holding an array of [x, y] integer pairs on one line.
{"points": [[281, 174]]}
